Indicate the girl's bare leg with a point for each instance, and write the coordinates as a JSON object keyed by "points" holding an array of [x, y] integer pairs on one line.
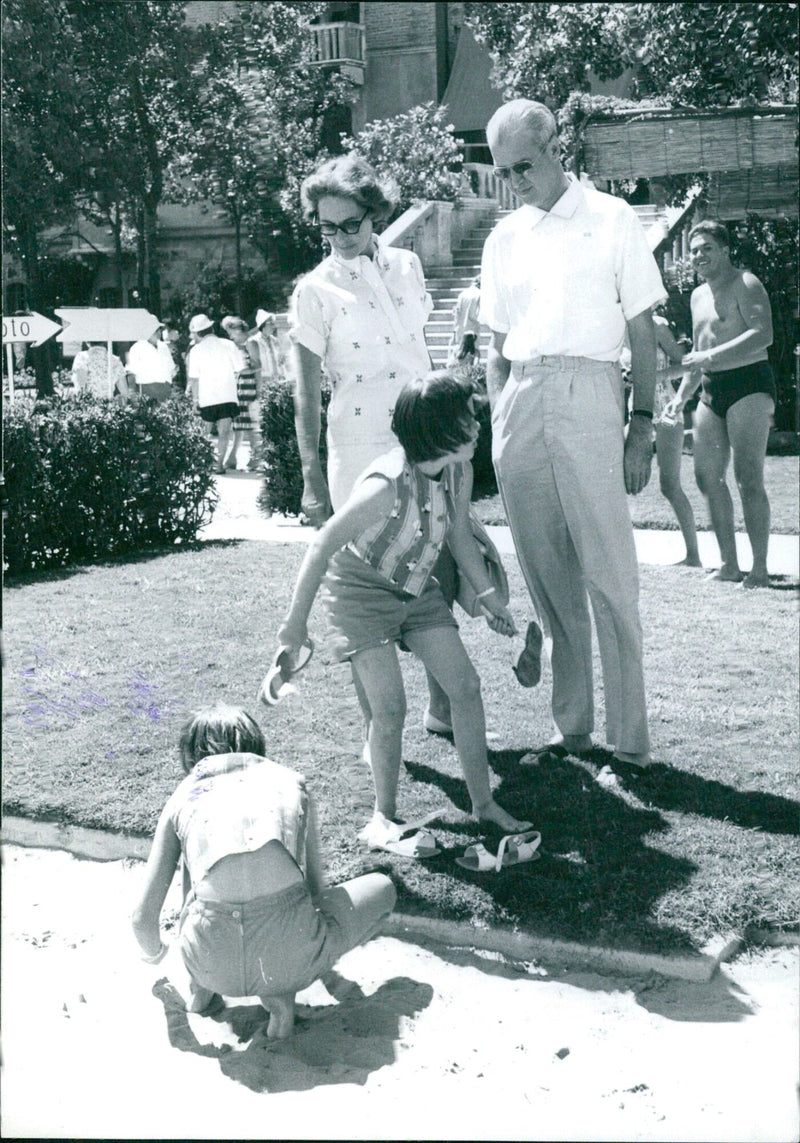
{"points": [[381, 681], [281, 1015], [443, 653], [669, 449]]}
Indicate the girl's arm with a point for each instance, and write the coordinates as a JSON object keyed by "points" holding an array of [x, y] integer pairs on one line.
{"points": [[468, 556], [161, 865], [316, 502], [370, 502]]}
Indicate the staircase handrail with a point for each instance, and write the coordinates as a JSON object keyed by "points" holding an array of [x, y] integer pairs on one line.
{"points": [[486, 184], [404, 226]]}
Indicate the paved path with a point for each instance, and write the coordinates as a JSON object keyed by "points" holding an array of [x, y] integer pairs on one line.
{"points": [[237, 517]]}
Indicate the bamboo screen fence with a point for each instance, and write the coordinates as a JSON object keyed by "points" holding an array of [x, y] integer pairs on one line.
{"points": [[632, 145]]}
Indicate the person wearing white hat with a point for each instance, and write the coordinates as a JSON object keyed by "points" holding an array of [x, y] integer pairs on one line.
{"points": [[211, 367], [150, 364]]}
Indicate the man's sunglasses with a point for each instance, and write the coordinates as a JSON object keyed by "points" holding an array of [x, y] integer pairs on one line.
{"points": [[523, 166], [349, 226]]}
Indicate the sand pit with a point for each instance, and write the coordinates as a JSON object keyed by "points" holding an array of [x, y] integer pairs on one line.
{"points": [[411, 1043]]}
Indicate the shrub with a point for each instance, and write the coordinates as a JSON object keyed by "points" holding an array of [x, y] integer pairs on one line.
{"points": [[283, 481], [417, 150], [87, 480]]}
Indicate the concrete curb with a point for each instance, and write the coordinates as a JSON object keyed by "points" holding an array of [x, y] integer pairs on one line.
{"points": [[102, 845]]}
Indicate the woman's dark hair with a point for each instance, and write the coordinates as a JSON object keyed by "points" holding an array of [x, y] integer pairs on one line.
{"points": [[219, 730], [350, 176], [716, 230], [433, 416]]}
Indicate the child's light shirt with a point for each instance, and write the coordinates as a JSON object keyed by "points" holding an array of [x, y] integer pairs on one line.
{"points": [[236, 803], [404, 547]]}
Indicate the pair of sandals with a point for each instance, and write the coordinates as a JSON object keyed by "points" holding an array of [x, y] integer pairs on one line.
{"points": [[409, 839], [287, 663]]}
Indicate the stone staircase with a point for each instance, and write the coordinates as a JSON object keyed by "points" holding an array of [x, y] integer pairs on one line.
{"points": [[445, 286]]}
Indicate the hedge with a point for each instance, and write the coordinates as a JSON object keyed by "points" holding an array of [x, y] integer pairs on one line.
{"points": [[283, 479], [88, 480]]}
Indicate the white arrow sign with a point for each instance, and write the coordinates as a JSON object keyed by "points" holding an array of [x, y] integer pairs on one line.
{"points": [[93, 324], [33, 328]]}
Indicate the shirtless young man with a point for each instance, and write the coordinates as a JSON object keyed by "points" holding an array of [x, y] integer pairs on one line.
{"points": [[732, 329]]}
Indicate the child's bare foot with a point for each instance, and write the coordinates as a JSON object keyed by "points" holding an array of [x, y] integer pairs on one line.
{"points": [[281, 1015], [727, 574], [495, 814]]}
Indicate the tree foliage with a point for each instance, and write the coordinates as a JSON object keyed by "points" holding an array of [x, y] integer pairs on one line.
{"points": [[417, 150], [694, 55]]}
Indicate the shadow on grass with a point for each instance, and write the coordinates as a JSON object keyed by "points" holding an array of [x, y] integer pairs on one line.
{"points": [[56, 575], [332, 1044], [597, 880], [672, 789]]}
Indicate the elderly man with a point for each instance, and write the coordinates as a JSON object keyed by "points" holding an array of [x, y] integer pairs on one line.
{"points": [[561, 280]]}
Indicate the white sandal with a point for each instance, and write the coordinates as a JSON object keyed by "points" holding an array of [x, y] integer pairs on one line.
{"points": [[514, 849], [390, 837]]}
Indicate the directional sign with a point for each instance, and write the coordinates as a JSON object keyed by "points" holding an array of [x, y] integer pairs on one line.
{"points": [[93, 324], [33, 328]]}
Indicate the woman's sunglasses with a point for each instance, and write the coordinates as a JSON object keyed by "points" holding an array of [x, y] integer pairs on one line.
{"points": [[349, 226]]}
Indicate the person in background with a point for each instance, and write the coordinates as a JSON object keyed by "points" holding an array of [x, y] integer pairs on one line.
{"points": [[562, 278], [257, 919], [94, 367], [265, 352], [360, 316], [151, 366], [247, 423], [464, 348], [731, 330], [669, 432], [211, 367]]}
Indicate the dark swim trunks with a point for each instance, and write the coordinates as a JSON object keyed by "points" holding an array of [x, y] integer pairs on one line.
{"points": [[723, 389]]}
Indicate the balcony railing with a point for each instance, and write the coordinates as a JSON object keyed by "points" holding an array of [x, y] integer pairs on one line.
{"points": [[337, 43]]}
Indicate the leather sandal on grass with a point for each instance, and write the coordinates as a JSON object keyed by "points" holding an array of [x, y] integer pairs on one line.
{"points": [[528, 668], [514, 849], [381, 834]]}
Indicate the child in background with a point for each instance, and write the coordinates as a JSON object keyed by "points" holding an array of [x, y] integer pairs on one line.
{"points": [[257, 919], [376, 554]]}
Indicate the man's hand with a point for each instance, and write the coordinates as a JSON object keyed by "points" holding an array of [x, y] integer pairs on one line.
{"points": [[316, 503], [638, 457], [697, 357]]}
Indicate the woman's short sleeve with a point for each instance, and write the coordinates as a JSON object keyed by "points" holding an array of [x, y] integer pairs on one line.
{"points": [[306, 319]]}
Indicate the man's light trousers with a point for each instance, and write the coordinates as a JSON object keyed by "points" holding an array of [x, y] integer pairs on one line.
{"points": [[557, 448]]}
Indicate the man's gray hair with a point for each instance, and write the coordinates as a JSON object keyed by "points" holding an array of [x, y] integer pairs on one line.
{"points": [[521, 114]]}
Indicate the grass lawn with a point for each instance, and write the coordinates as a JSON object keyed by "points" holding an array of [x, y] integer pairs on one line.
{"points": [[103, 664], [650, 510]]}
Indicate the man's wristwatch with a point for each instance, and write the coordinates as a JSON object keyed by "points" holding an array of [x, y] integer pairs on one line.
{"points": [[643, 413]]}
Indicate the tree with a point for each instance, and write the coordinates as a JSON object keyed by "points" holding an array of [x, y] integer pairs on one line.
{"points": [[546, 51], [713, 55], [42, 155], [259, 127], [416, 149], [138, 87]]}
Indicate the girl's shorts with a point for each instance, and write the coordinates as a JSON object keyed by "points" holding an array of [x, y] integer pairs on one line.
{"points": [[364, 610], [214, 413]]}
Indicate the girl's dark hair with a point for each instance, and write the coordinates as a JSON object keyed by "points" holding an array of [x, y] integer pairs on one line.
{"points": [[219, 730], [716, 230], [432, 415], [350, 176]]}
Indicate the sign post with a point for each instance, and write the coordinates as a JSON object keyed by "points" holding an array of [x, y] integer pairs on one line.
{"points": [[33, 329]]}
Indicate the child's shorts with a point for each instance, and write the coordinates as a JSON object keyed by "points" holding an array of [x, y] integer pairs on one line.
{"points": [[271, 945], [364, 610]]}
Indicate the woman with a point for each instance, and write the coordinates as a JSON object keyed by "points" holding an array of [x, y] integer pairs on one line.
{"points": [[246, 422], [360, 316], [97, 371]]}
